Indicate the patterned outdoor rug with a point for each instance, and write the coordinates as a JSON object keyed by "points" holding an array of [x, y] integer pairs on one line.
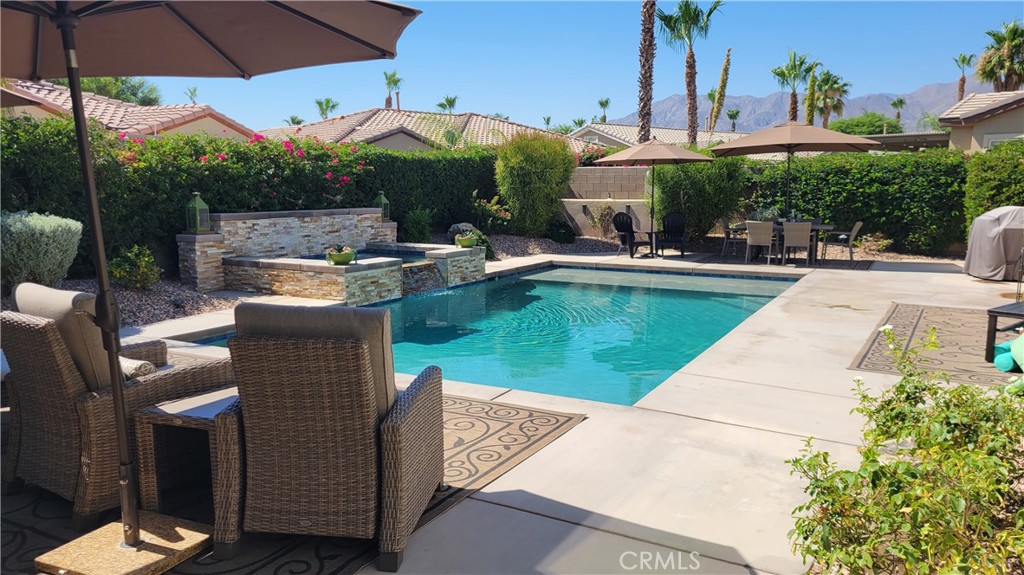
{"points": [[961, 336], [483, 440]]}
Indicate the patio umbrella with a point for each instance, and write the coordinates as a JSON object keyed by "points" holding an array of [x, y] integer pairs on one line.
{"points": [[653, 152], [237, 39], [13, 98], [790, 138]]}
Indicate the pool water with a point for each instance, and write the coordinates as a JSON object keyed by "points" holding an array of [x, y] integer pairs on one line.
{"points": [[592, 334]]}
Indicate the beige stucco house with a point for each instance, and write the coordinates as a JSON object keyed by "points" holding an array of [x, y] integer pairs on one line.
{"points": [[629, 135], [124, 117], [980, 121], [411, 130]]}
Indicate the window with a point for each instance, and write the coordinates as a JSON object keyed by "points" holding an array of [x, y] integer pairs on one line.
{"points": [[990, 140], [590, 139]]}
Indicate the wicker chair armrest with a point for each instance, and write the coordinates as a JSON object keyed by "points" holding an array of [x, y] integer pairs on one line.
{"points": [[154, 352], [412, 466]]}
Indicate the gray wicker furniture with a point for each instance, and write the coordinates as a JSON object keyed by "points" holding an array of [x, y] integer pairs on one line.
{"points": [[330, 447], [63, 436]]}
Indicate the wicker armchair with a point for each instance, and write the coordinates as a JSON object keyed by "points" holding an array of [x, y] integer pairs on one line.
{"points": [[63, 436], [330, 447]]}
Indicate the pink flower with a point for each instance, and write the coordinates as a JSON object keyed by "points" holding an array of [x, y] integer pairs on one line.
{"points": [[300, 153], [354, 149], [328, 175], [221, 157], [224, 131], [203, 159], [287, 145], [258, 137], [359, 167], [345, 179], [122, 135], [334, 161], [139, 141]]}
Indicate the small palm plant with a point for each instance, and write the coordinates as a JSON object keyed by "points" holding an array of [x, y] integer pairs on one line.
{"points": [[603, 103], [733, 115], [897, 105]]}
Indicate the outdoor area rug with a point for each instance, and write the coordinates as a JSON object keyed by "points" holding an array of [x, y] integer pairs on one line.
{"points": [[483, 440], [961, 337]]}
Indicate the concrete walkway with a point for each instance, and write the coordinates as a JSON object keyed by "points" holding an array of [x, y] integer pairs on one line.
{"points": [[692, 479]]}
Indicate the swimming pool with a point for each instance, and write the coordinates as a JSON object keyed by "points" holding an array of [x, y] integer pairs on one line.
{"points": [[602, 335]]}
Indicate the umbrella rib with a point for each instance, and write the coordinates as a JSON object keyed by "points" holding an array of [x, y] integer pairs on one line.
{"points": [[35, 8], [209, 43], [337, 31], [104, 8]]}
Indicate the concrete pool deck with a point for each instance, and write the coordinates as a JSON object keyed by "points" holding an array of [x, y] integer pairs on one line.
{"points": [[698, 465]]}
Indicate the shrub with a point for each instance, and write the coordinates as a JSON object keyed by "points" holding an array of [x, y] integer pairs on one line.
{"points": [[415, 227], [914, 198], [934, 486], [867, 124], [590, 154], [704, 192], [994, 178], [135, 268], [560, 231], [483, 241], [601, 219], [490, 215], [533, 172], [36, 248]]}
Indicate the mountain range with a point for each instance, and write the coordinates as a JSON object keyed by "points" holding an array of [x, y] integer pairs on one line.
{"points": [[762, 112]]}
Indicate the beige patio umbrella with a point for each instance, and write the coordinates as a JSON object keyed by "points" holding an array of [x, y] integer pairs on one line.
{"points": [[236, 39], [790, 138], [653, 152]]}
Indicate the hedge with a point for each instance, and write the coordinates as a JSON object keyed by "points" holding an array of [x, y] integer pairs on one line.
{"points": [[533, 171], [703, 191], [37, 248], [994, 179], [144, 184]]}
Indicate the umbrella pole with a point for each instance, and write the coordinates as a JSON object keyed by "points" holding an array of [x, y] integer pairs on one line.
{"points": [[653, 167], [789, 163], [107, 316]]}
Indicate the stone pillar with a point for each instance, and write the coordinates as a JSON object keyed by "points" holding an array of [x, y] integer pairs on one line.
{"points": [[200, 257]]}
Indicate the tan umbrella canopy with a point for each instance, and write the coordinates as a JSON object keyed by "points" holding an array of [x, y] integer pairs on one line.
{"points": [[240, 38], [790, 138], [650, 153]]}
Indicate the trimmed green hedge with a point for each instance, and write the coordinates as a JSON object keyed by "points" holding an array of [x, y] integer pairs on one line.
{"points": [[704, 192], [145, 184], [914, 198], [994, 178], [533, 171]]}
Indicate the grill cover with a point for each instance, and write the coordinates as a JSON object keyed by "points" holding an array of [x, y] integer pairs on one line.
{"points": [[995, 243]]}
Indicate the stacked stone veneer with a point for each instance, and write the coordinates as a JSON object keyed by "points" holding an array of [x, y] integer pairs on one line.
{"points": [[274, 234], [376, 280]]}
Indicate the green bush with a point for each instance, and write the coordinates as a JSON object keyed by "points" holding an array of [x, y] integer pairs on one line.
{"points": [[914, 198], [36, 248], [934, 489], [560, 231], [994, 178], [533, 172], [483, 241], [135, 268], [415, 226], [867, 124], [704, 192]]}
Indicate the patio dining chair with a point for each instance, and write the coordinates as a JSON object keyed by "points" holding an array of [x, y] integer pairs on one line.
{"points": [[331, 448], [731, 236], [63, 437], [623, 224], [844, 239], [673, 233], [762, 235], [795, 236]]}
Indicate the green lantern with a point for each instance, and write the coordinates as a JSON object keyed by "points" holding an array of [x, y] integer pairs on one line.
{"points": [[197, 215], [385, 206]]}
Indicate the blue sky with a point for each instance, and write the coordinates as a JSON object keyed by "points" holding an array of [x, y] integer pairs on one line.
{"points": [[533, 59]]}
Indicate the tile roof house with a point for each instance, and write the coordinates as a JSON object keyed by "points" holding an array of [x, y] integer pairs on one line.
{"points": [[628, 135], [980, 121], [115, 115], [411, 130]]}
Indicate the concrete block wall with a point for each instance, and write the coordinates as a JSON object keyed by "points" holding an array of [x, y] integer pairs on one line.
{"points": [[609, 182]]}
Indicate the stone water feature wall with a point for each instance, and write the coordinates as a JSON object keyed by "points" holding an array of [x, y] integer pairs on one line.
{"points": [[355, 284]]}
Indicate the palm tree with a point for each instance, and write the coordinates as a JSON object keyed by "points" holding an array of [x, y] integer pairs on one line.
{"points": [[499, 116], [547, 122], [294, 120], [712, 93], [325, 107], [733, 114], [794, 74], [964, 62], [603, 103], [647, 48], [1002, 62], [681, 28], [897, 105], [831, 91], [393, 83], [190, 93], [579, 122], [448, 104]]}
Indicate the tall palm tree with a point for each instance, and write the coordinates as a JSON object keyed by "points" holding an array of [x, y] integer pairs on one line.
{"points": [[448, 104], [712, 93], [579, 122], [294, 120], [392, 82], [326, 107], [647, 48], [794, 74], [831, 91], [603, 103], [1002, 62], [897, 105], [964, 62], [811, 101], [547, 122], [679, 29], [732, 114], [191, 92]]}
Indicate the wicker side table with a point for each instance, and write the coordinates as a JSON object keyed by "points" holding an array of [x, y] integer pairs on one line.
{"points": [[219, 414]]}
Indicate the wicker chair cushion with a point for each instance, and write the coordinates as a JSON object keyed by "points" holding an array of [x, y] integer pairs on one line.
{"points": [[371, 325], [73, 312]]}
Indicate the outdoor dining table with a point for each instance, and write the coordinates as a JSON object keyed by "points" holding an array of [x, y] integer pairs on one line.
{"points": [[816, 229]]}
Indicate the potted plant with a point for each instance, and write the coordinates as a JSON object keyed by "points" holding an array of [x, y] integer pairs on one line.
{"points": [[340, 255], [465, 239]]}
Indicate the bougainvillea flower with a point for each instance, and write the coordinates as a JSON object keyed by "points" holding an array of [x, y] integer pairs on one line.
{"points": [[221, 157], [328, 175], [354, 149], [203, 159], [122, 135], [300, 153], [345, 179], [334, 161]]}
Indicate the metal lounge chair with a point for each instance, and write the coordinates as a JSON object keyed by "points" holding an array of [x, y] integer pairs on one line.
{"points": [[845, 239], [330, 447], [623, 224], [673, 233]]}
